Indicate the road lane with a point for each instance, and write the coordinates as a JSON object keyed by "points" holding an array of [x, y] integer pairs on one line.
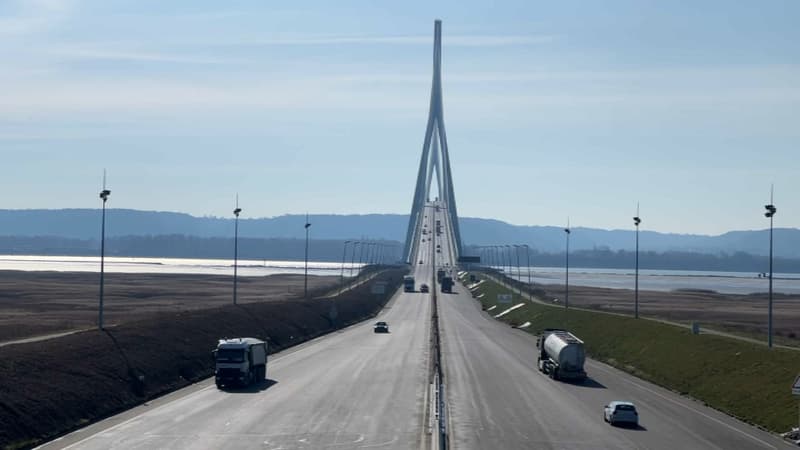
{"points": [[351, 389], [497, 398]]}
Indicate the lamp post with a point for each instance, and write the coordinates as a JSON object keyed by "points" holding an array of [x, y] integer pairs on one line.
{"points": [[103, 195], [519, 273], [528, 262], [236, 212], [353, 257], [636, 222], [361, 259], [567, 231], [305, 276], [508, 260], [771, 210], [344, 253]]}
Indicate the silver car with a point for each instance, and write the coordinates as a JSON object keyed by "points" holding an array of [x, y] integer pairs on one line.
{"points": [[621, 412]]}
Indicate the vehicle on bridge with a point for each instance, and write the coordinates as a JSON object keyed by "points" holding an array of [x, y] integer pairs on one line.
{"points": [[561, 355], [621, 412], [424, 288], [240, 362], [447, 284], [440, 274], [408, 282], [381, 327]]}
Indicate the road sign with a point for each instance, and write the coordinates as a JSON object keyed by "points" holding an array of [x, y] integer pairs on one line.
{"points": [[379, 287], [796, 386], [503, 298]]}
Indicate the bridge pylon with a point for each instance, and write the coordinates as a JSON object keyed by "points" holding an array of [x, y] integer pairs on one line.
{"points": [[435, 159]]}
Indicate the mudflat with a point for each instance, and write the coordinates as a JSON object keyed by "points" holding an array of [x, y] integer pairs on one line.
{"points": [[40, 303], [741, 314]]}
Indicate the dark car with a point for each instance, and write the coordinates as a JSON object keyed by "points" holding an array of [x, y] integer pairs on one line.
{"points": [[381, 327], [424, 288]]}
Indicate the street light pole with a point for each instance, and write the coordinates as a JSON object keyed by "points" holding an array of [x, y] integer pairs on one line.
{"points": [[236, 212], [530, 283], [636, 221], [361, 258], [519, 273], [353, 257], [103, 195], [568, 231], [771, 210], [344, 253], [305, 276]]}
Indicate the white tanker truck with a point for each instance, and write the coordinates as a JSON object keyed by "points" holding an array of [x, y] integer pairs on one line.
{"points": [[561, 355]]}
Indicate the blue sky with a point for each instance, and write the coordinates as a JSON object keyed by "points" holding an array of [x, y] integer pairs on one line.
{"points": [[553, 109]]}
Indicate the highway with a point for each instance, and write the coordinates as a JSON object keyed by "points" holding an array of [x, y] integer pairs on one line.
{"points": [[350, 389], [357, 389], [498, 399]]}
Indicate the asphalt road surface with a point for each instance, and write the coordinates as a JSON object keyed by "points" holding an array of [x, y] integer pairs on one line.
{"points": [[497, 398], [352, 389], [357, 389]]}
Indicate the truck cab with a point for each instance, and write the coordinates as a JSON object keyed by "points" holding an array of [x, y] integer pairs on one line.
{"points": [[240, 362]]}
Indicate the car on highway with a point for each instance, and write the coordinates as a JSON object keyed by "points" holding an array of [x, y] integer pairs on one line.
{"points": [[424, 288], [620, 412], [381, 327], [420, 261]]}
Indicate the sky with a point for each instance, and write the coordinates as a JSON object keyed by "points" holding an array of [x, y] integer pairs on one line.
{"points": [[552, 109]]}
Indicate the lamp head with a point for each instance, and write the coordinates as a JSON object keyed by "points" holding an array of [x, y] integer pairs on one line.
{"points": [[104, 194], [637, 221], [237, 211]]}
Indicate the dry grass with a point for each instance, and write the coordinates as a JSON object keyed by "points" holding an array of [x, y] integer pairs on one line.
{"points": [[35, 303]]}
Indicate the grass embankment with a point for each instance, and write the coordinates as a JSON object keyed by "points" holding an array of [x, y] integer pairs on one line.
{"points": [[742, 379], [50, 387]]}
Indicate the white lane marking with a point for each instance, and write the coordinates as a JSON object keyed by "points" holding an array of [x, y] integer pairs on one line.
{"points": [[766, 444]]}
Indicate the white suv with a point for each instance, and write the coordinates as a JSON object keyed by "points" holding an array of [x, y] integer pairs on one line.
{"points": [[620, 412]]}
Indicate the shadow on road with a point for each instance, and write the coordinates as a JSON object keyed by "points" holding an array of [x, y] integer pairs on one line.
{"points": [[630, 426], [253, 388], [589, 383]]}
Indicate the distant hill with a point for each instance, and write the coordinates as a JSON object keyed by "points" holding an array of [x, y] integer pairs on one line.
{"points": [[85, 224]]}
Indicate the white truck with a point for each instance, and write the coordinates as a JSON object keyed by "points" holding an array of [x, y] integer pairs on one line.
{"points": [[240, 362], [561, 355]]}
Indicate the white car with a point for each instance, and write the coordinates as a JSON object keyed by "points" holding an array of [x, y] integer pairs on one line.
{"points": [[620, 412]]}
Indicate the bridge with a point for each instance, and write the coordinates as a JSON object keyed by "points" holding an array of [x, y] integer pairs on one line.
{"points": [[355, 389]]}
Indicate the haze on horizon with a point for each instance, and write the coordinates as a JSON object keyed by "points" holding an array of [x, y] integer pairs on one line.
{"points": [[552, 110]]}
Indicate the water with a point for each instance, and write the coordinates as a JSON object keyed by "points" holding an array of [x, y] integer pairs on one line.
{"points": [[665, 280], [115, 264], [655, 280]]}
